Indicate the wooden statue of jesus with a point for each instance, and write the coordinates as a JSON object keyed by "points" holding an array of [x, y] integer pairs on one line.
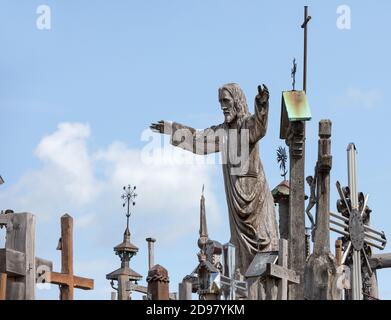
{"points": [[250, 203]]}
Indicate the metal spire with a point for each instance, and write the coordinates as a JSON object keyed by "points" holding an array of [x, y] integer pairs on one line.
{"points": [[203, 227]]}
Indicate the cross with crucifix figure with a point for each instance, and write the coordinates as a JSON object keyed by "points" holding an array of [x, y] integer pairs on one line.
{"points": [[66, 279], [357, 235]]}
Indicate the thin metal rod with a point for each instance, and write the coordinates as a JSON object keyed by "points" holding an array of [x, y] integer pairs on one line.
{"points": [[376, 232], [346, 253], [365, 204], [344, 233], [375, 238], [342, 225], [367, 262], [339, 217], [374, 244]]}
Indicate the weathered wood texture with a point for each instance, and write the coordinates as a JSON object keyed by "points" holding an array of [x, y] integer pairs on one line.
{"points": [[158, 281], [380, 261], [3, 285], [297, 253], [320, 269], [185, 290], [21, 238], [12, 262], [281, 271], [66, 279]]}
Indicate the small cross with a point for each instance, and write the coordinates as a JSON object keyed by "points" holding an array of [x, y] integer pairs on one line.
{"points": [[293, 73], [282, 272]]}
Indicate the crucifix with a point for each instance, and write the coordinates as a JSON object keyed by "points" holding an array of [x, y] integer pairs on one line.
{"points": [[66, 279], [320, 270], [358, 237]]}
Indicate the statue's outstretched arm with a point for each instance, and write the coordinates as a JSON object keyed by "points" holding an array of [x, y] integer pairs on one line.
{"points": [[196, 141]]}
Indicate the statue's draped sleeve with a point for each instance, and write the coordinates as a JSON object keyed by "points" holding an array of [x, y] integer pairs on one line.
{"points": [[197, 141], [257, 123]]}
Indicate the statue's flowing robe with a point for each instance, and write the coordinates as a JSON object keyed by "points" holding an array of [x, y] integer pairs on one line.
{"points": [[250, 203]]}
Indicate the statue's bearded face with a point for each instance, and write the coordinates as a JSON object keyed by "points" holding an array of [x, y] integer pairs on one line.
{"points": [[228, 106]]}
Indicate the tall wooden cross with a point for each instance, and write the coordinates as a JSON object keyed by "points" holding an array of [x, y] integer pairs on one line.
{"points": [[66, 279], [296, 141]]}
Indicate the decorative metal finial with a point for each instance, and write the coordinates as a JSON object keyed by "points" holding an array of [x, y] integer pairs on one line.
{"points": [[282, 159], [293, 73], [128, 197]]}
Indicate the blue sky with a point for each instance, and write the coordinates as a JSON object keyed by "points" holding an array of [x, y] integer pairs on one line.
{"points": [[76, 99]]}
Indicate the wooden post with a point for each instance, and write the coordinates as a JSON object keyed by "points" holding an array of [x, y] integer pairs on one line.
{"points": [[281, 271], [21, 238], [338, 251], [185, 290], [3, 286], [283, 262], [66, 279], [158, 283], [297, 254], [123, 293], [320, 269]]}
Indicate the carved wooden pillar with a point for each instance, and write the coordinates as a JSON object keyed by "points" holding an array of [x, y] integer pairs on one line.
{"points": [[297, 253], [158, 281]]}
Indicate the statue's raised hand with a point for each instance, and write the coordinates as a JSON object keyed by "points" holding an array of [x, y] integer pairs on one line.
{"points": [[162, 126], [263, 95]]}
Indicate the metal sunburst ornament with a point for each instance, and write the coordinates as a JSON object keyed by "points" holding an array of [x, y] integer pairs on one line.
{"points": [[128, 197], [282, 159]]}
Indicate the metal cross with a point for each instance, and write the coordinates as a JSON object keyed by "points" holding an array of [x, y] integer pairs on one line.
{"points": [[293, 73], [128, 197], [353, 227], [307, 18]]}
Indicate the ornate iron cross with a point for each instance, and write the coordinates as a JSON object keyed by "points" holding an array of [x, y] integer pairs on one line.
{"points": [[129, 196], [357, 234]]}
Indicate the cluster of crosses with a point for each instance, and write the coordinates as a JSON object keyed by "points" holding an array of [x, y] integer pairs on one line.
{"points": [[296, 271]]}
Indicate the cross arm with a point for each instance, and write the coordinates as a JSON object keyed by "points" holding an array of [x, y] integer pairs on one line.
{"points": [[66, 279], [277, 271], [83, 283], [380, 261]]}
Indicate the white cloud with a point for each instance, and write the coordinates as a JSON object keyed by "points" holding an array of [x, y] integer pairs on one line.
{"points": [[88, 185], [360, 98]]}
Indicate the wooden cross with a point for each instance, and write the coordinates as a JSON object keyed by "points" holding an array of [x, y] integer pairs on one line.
{"points": [[18, 265], [282, 272], [66, 279]]}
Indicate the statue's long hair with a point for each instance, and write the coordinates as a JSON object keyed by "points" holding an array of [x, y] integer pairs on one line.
{"points": [[239, 98]]}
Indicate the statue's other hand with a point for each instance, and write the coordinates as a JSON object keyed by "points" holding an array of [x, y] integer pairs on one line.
{"points": [[263, 95], [162, 126]]}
